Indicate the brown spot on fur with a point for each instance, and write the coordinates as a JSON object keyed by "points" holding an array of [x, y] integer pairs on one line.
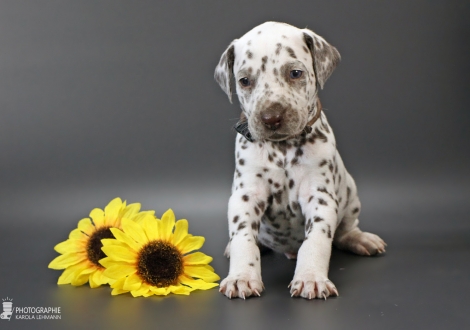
{"points": [[291, 52], [291, 183]]}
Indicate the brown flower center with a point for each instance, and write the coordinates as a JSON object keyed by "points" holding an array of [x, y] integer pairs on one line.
{"points": [[159, 264], [94, 245]]}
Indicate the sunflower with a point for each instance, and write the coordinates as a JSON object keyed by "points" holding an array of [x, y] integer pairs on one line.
{"points": [[81, 253], [152, 257]]}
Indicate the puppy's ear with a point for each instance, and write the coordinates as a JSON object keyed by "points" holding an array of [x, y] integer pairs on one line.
{"points": [[224, 71], [325, 56]]}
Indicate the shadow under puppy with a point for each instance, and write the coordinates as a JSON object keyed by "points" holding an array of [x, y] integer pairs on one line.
{"points": [[291, 191]]}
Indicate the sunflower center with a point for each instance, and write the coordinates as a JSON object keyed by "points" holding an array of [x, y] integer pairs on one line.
{"points": [[160, 264], [94, 245]]}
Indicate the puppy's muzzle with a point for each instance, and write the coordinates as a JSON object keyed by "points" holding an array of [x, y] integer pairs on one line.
{"points": [[273, 116]]}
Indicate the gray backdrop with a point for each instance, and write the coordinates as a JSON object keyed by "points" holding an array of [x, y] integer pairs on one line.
{"points": [[100, 99]]}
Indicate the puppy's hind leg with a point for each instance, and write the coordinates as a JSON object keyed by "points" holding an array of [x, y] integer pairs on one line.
{"points": [[349, 237]]}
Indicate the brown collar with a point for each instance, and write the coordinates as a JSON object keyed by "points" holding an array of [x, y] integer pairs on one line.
{"points": [[242, 125], [308, 127]]}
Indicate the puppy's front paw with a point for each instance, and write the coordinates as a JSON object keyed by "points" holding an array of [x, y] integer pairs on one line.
{"points": [[310, 286], [242, 286]]}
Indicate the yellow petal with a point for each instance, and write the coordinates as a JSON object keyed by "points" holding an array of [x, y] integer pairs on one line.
{"points": [[118, 283], [70, 246], [78, 235], [114, 242], [66, 260], [180, 289], [167, 224], [92, 279], [119, 271], [111, 212], [71, 271], [97, 215], [90, 268], [190, 243], [119, 253], [159, 291], [133, 282], [202, 272], [135, 231], [124, 238], [181, 231], [86, 226], [144, 288], [150, 226], [142, 215], [80, 280], [196, 258], [131, 210], [107, 262], [197, 284], [148, 293]]}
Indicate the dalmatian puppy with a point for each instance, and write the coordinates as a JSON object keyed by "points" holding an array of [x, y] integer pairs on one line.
{"points": [[291, 192]]}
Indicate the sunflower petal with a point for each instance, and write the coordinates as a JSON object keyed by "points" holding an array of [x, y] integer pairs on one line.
{"points": [[66, 260], [180, 289], [197, 284], [133, 282], [119, 271], [142, 215], [88, 269], [86, 226], [181, 231], [78, 235], [93, 280], [72, 271], [167, 224], [119, 253], [118, 283], [202, 272], [117, 291], [70, 246], [150, 226], [113, 242], [80, 280], [196, 258], [190, 243], [135, 231], [124, 238], [144, 288], [108, 262], [97, 215], [160, 291], [131, 210], [111, 212]]}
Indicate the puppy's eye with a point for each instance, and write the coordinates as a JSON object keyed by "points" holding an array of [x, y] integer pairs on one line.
{"points": [[296, 74], [245, 82]]}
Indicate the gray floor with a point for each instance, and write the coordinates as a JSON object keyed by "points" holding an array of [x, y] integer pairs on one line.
{"points": [[420, 283]]}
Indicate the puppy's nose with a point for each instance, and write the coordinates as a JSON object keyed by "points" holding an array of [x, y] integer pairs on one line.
{"points": [[271, 119]]}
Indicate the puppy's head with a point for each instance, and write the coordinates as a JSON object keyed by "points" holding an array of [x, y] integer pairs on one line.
{"points": [[278, 69]]}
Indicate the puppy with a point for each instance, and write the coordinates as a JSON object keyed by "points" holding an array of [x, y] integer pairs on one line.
{"points": [[291, 191]]}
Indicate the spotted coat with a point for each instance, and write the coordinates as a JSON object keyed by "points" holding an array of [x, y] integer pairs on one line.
{"points": [[291, 191]]}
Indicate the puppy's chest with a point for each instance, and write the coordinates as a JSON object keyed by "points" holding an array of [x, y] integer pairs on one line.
{"points": [[282, 225]]}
